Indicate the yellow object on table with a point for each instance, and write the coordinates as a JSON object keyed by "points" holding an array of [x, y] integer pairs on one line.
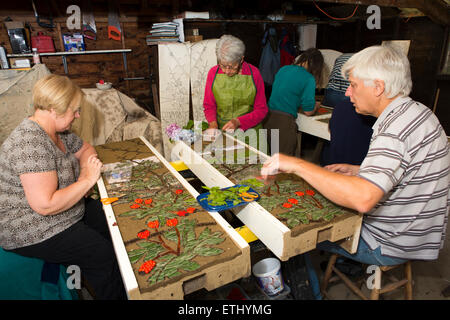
{"points": [[246, 233], [178, 165]]}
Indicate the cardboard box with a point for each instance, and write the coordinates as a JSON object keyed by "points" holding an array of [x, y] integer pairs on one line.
{"points": [[193, 38], [73, 42]]}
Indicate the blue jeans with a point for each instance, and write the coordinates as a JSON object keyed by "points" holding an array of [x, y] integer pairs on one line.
{"points": [[363, 254]]}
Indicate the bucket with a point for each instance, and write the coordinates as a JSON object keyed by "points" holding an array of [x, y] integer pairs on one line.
{"points": [[268, 274]]}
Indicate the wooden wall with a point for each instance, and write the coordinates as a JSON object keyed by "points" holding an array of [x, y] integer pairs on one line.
{"points": [[86, 70], [427, 40]]}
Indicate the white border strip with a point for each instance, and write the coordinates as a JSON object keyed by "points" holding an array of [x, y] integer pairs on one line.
{"points": [[221, 221], [126, 270], [262, 223]]}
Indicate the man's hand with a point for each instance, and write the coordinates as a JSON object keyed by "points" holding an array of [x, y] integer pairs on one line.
{"points": [[279, 163]]}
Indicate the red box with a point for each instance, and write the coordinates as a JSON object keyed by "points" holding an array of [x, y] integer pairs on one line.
{"points": [[43, 43]]}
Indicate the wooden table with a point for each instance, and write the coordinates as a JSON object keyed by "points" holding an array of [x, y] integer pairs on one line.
{"points": [[267, 217], [314, 125]]}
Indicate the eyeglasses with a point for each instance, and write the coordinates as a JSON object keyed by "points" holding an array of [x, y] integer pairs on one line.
{"points": [[230, 67]]}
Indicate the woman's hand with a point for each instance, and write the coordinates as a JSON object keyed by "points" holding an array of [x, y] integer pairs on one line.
{"points": [[343, 168], [213, 125], [91, 170], [231, 125]]}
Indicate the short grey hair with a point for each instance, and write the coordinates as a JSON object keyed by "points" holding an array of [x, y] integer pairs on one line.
{"points": [[385, 63], [229, 49]]}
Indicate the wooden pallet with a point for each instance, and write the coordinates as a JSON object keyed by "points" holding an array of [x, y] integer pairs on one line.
{"points": [[210, 277], [281, 240]]}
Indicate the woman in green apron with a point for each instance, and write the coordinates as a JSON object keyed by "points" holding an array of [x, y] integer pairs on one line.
{"points": [[234, 93]]}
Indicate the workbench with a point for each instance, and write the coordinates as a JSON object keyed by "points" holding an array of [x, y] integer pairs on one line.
{"points": [[166, 245], [268, 219], [314, 125]]}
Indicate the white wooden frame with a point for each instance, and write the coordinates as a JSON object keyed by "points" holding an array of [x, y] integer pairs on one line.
{"points": [[313, 126], [126, 270]]}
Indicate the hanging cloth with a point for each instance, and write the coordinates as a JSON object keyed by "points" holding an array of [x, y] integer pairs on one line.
{"points": [[287, 51], [270, 56]]}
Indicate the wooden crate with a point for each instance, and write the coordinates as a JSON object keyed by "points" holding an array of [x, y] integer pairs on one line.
{"points": [[214, 275], [280, 239]]}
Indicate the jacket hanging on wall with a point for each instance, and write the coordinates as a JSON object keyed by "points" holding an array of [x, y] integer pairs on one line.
{"points": [[270, 57], [287, 50]]}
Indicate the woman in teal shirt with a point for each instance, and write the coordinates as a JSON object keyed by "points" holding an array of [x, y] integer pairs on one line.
{"points": [[293, 88]]}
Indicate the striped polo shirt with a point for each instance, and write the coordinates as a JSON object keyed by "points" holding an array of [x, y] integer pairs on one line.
{"points": [[409, 160], [336, 81]]}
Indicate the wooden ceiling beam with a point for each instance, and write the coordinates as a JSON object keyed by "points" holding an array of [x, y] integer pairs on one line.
{"points": [[437, 10]]}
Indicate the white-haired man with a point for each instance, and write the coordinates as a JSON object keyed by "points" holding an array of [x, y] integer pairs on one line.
{"points": [[402, 186]]}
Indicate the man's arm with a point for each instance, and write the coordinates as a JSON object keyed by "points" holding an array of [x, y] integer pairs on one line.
{"points": [[348, 191]]}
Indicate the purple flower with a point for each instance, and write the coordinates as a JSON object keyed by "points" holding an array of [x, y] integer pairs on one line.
{"points": [[172, 130]]}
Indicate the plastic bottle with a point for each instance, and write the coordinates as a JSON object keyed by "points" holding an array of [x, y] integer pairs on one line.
{"points": [[36, 57], [3, 59]]}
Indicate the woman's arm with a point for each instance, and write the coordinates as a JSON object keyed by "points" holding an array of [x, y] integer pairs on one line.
{"points": [[209, 102], [83, 154], [41, 189]]}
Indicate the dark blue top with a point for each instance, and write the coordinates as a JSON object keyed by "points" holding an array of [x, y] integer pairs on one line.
{"points": [[350, 136]]}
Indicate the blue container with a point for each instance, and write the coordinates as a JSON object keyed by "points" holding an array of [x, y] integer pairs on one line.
{"points": [[202, 199]]}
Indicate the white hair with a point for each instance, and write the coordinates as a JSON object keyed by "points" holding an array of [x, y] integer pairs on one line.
{"points": [[385, 63], [229, 49]]}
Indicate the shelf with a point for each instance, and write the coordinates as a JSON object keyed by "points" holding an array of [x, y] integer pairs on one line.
{"points": [[68, 53], [63, 55], [254, 21]]}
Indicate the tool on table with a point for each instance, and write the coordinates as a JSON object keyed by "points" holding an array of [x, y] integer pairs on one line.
{"points": [[248, 196], [114, 31], [38, 19], [88, 21], [110, 200]]}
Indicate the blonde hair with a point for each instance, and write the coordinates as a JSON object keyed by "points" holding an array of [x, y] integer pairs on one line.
{"points": [[229, 49], [55, 92], [385, 63]]}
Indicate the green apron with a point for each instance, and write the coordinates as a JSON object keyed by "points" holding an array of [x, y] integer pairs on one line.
{"points": [[234, 96]]}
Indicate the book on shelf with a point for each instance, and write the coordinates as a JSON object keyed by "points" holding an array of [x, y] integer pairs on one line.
{"points": [[193, 15]]}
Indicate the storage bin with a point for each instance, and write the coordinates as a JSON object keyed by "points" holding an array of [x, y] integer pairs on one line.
{"points": [[43, 43]]}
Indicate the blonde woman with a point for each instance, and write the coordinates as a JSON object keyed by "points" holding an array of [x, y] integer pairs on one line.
{"points": [[46, 171]]}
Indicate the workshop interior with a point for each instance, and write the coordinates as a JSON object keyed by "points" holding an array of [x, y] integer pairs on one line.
{"points": [[158, 135]]}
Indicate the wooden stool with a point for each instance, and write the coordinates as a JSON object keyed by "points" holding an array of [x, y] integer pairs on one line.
{"points": [[375, 293]]}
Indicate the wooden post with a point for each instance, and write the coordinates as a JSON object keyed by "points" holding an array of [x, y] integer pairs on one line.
{"points": [[408, 285], [328, 271]]}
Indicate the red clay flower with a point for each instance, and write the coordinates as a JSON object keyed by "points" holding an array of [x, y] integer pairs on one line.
{"points": [[138, 200], [172, 222], [153, 224], [135, 206], [287, 205], [181, 213], [179, 191], [143, 234], [293, 201], [191, 210], [310, 192], [148, 201], [300, 193], [147, 266]]}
